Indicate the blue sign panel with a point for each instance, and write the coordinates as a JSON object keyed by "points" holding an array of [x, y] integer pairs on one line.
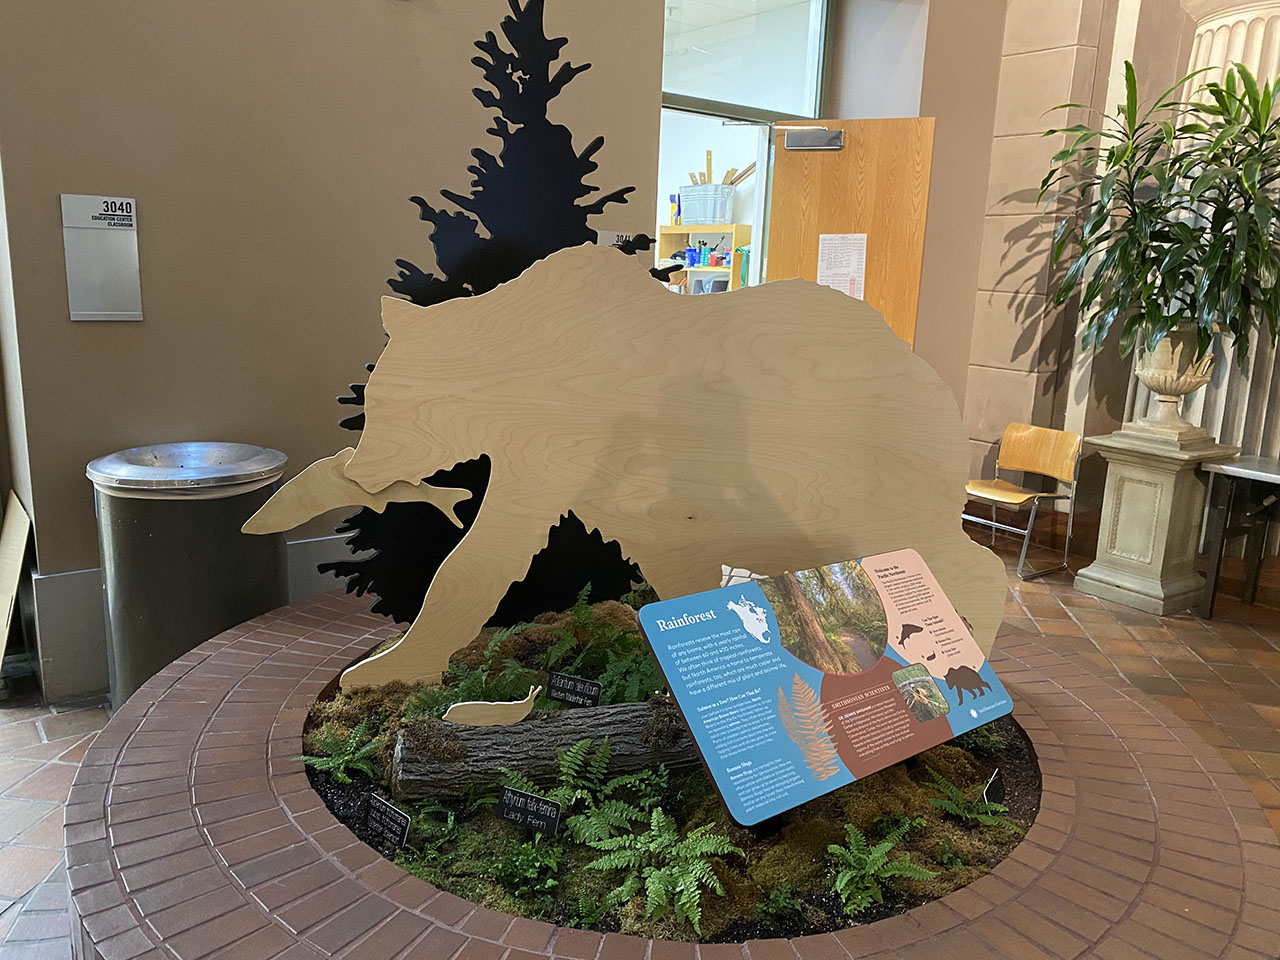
{"points": [[795, 685]]}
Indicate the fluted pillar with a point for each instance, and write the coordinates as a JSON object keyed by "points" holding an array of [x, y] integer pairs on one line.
{"points": [[1241, 406]]}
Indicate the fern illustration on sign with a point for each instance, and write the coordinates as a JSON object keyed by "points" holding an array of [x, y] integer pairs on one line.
{"points": [[805, 723]]}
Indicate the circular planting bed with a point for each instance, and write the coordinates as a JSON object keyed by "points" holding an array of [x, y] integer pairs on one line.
{"points": [[193, 832], [645, 846]]}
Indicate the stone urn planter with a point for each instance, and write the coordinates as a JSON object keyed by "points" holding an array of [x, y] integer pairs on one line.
{"points": [[1172, 371]]}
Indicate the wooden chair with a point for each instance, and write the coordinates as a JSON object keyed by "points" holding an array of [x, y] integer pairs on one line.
{"points": [[1028, 449]]}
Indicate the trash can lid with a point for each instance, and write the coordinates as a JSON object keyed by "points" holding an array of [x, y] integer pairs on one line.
{"points": [[186, 466]]}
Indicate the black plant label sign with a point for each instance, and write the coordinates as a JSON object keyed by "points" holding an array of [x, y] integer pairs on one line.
{"points": [[536, 814], [567, 688], [388, 824]]}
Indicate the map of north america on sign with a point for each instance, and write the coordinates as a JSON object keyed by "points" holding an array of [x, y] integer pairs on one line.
{"points": [[754, 618]]}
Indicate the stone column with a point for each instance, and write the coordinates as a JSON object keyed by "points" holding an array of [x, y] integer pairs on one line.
{"points": [[1153, 502], [1021, 342]]}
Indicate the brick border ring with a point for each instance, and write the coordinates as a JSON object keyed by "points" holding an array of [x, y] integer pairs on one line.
{"points": [[192, 832]]}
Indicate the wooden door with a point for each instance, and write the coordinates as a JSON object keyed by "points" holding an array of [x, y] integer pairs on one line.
{"points": [[878, 184]]}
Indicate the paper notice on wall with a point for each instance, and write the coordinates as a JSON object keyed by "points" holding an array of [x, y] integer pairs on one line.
{"points": [[842, 262]]}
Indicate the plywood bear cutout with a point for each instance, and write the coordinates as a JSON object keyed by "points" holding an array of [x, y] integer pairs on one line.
{"points": [[775, 428]]}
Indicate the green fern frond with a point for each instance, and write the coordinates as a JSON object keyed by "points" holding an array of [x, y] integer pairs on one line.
{"points": [[516, 781], [968, 807], [560, 649], [599, 765], [657, 892], [861, 868], [605, 820], [572, 761], [337, 754], [674, 872], [902, 867]]}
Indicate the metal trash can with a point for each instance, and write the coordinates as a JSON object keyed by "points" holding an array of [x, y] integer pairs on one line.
{"points": [[176, 570]]}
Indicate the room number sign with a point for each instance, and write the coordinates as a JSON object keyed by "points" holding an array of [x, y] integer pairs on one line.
{"points": [[100, 244]]}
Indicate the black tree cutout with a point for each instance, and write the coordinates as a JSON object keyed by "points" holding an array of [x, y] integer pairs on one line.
{"points": [[527, 201]]}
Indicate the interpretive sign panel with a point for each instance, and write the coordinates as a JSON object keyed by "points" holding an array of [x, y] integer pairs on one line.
{"points": [[795, 685], [529, 810]]}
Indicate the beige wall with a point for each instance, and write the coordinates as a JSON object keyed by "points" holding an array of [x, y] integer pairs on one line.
{"points": [[271, 147], [961, 74], [875, 52]]}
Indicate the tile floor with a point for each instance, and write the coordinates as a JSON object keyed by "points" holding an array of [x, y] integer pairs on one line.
{"points": [[1222, 676], [40, 748]]}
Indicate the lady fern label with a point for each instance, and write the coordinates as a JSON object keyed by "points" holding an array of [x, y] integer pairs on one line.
{"points": [[797, 684]]}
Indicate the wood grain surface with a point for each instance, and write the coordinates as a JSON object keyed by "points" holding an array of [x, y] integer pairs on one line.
{"points": [[324, 486], [444, 761], [877, 185], [13, 547], [491, 713], [775, 428]]}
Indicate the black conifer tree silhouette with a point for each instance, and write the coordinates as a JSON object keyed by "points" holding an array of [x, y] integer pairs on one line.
{"points": [[527, 200]]}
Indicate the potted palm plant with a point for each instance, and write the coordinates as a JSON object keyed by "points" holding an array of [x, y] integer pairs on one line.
{"points": [[1168, 231]]}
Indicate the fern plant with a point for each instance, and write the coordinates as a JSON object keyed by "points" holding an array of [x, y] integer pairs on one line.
{"points": [[587, 912], [896, 820], [631, 675], [618, 658], [434, 826], [338, 754], [598, 808], [968, 806], [862, 869], [529, 869], [582, 773], [947, 856], [672, 872], [983, 741], [781, 910], [607, 814], [493, 679]]}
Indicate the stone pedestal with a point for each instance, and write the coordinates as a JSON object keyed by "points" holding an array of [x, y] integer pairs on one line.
{"points": [[1152, 508]]}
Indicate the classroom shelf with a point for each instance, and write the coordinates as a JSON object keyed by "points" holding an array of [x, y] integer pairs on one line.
{"points": [[671, 239]]}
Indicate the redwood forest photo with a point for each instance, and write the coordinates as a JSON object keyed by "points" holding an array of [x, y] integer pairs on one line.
{"points": [[830, 617]]}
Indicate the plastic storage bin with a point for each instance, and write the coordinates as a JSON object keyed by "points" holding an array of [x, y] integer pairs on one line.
{"points": [[709, 203]]}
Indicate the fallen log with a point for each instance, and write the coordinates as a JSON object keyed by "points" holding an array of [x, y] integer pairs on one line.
{"points": [[445, 761]]}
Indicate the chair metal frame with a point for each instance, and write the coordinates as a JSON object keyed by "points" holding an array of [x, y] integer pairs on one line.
{"points": [[1031, 520]]}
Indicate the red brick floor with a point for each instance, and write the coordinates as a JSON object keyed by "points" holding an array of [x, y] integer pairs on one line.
{"points": [[1221, 676]]}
